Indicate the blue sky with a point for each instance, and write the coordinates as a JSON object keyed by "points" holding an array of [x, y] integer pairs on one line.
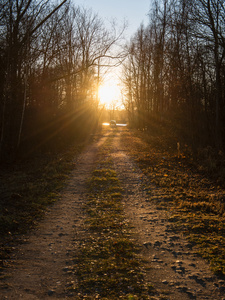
{"points": [[134, 11]]}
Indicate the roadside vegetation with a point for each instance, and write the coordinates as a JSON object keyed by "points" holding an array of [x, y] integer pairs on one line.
{"points": [[190, 188], [107, 265], [27, 189]]}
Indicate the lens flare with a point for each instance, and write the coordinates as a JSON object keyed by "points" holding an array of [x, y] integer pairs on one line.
{"points": [[109, 95]]}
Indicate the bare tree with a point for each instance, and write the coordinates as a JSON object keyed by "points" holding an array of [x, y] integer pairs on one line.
{"points": [[52, 57], [20, 22], [209, 15], [176, 67]]}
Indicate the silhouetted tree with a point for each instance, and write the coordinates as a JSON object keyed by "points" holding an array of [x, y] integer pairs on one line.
{"points": [[50, 61], [176, 66], [20, 22]]}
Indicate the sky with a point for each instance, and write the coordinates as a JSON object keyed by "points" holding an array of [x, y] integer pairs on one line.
{"points": [[134, 11]]}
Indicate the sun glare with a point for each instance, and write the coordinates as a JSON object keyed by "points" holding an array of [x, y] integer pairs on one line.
{"points": [[109, 95]]}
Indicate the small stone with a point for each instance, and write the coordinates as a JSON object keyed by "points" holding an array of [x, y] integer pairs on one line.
{"points": [[174, 238], [147, 244], [50, 292], [173, 267], [182, 288], [66, 269], [189, 245], [193, 276], [208, 278], [157, 244], [174, 253], [62, 234], [171, 244], [165, 282], [192, 265], [70, 284]]}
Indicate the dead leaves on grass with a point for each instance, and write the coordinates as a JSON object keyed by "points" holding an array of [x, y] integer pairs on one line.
{"points": [[197, 203]]}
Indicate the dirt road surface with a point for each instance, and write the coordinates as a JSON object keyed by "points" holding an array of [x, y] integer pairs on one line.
{"points": [[40, 267]]}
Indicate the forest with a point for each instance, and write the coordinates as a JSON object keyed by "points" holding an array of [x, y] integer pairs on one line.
{"points": [[53, 55], [175, 71]]}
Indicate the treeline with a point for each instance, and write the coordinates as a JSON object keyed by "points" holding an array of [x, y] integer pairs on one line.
{"points": [[50, 59], [175, 71]]}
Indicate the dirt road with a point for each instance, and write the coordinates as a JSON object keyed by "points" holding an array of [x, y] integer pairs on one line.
{"points": [[40, 267]]}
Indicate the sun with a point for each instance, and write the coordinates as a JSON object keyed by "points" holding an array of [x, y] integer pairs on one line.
{"points": [[109, 94]]}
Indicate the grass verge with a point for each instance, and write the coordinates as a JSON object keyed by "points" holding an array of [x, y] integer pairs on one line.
{"points": [[27, 189], [107, 264], [195, 201]]}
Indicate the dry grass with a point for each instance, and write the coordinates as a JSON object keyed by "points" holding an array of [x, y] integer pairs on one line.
{"points": [[27, 189], [196, 198]]}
